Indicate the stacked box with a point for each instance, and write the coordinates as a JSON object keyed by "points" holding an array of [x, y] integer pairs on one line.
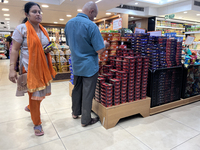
{"points": [[138, 78], [123, 76], [155, 57], [178, 53], [118, 64], [107, 76], [116, 90], [111, 60], [106, 94], [145, 66], [106, 68], [129, 67], [98, 89], [162, 47], [171, 52]]}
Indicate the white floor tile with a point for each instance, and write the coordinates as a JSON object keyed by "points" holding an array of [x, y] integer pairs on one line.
{"points": [[19, 134], [188, 115], [53, 145], [65, 125], [192, 144], [102, 139], [158, 132], [55, 103]]}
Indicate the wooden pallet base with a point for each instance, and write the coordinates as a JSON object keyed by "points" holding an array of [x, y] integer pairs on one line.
{"points": [[175, 104], [109, 116]]}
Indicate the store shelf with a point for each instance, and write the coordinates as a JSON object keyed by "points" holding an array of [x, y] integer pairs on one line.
{"points": [[164, 27], [194, 32]]}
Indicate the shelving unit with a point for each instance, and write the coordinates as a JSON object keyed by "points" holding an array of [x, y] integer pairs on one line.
{"points": [[164, 27], [194, 32]]}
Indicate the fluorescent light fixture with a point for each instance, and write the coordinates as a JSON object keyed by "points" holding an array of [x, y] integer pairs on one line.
{"points": [[61, 19], [185, 12], [108, 13], [198, 14], [5, 9], [69, 15], [45, 6], [95, 18], [5, 2], [131, 17], [98, 1], [136, 3], [55, 22], [7, 18], [158, 2], [180, 17], [6, 15], [79, 10]]}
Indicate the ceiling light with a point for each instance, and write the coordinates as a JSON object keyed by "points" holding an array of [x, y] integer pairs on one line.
{"points": [[97, 1], [136, 3], [108, 13], [61, 19], [180, 17], [185, 12], [7, 18], [5, 2], [79, 10], [198, 14], [69, 15], [95, 18], [6, 15], [5, 9], [41, 12], [45, 6], [131, 17], [55, 22]]}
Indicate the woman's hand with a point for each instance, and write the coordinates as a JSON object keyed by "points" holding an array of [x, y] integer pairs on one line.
{"points": [[13, 76]]}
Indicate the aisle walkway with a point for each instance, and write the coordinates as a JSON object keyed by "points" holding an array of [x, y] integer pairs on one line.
{"points": [[177, 129]]}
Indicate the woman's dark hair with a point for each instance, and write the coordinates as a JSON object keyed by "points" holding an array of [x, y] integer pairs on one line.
{"points": [[27, 8]]}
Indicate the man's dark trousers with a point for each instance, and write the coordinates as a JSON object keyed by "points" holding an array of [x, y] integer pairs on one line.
{"points": [[82, 96]]}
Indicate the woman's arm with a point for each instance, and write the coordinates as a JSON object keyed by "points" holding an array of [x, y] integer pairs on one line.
{"points": [[13, 59]]}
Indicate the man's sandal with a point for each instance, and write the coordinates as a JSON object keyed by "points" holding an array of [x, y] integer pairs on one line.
{"points": [[92, 121], [38, 130], [74, 117]]}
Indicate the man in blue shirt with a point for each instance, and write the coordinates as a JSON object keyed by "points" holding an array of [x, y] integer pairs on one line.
{"points": [[85, 42]]}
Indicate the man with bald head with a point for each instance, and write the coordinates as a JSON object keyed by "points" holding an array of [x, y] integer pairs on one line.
{"points": [[85, 42]]}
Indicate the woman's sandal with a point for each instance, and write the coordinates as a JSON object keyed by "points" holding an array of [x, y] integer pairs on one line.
{"points": [[38, 130], [26, 109]]}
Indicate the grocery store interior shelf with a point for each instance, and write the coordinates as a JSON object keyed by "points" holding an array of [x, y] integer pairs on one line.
{"points": [[172, 105], [170, 27], [192, 32]]}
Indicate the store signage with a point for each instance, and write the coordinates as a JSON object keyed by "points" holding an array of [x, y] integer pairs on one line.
{"points": [[189, 40], [139, 30], [117, 24], [155, 33], [170, 16]]}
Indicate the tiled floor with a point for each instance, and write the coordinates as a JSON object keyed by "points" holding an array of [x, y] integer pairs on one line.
{"points": [[177, 129]]}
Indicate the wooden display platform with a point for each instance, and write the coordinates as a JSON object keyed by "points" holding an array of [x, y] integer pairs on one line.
{"points": [[172, 105], [109, 116]]}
